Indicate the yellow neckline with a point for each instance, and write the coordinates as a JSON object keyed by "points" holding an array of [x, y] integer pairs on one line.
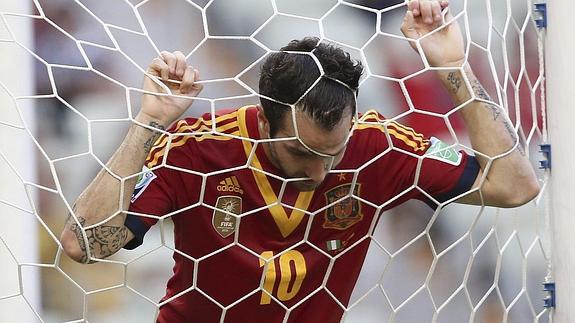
{"points": [[286, 224]]}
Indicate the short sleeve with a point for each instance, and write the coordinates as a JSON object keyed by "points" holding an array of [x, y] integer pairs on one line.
{"points": [[446, 172], [152, 196]]}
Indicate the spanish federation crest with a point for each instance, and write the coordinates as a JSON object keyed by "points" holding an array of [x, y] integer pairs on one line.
{"points": [[346, 212], [225, 223]]}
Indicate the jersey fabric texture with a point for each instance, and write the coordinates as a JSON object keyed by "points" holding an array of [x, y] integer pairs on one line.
{"points": [[287, 246]]}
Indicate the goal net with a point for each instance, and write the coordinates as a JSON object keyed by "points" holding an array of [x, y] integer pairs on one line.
{"points": [[70, 86]]}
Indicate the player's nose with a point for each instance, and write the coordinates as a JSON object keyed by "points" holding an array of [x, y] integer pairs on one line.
{"points": [[317, 170]]}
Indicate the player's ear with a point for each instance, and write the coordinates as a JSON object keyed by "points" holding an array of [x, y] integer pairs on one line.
{"points": [[263, 123]]}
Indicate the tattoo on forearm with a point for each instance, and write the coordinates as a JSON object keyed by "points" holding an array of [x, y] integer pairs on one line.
{"points": [[496, 111], [454, 81], [479, 91], [514, 136], [150, 142], [482, 94], [103, 240]]}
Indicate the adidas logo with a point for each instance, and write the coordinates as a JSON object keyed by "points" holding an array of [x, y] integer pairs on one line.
{"points": [[230, 184]]}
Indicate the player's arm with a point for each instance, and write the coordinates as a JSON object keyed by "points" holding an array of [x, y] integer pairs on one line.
{"points": [[510, 180], [101, 199]]}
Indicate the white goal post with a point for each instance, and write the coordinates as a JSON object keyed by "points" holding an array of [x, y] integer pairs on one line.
{"points": [[560, 45], [16, 223]]}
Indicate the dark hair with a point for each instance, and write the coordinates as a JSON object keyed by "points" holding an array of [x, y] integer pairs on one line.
{"points": [[285, 77]]}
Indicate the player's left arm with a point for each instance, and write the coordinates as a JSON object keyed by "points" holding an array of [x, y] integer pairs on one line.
{"points": [[510, 180]]}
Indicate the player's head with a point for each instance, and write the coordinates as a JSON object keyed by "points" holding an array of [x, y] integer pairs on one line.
{"points": [[323, 115]]}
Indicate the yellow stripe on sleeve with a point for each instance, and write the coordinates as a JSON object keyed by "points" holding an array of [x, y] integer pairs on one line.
{"points": [[408, 135]]}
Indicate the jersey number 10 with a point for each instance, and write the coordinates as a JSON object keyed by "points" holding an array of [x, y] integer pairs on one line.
{"points": [[287, 277]]}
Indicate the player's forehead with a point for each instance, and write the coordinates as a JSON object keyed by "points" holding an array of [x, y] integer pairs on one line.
{"points": [[313, 135]]}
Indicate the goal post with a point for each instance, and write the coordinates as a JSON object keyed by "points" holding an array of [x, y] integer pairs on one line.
{"points": [[561, 115], [16, 151]]}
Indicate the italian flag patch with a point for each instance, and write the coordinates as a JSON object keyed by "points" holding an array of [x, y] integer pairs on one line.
{"points": [[332, 245]]}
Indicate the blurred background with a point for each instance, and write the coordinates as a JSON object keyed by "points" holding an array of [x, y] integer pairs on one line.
{"points": [[458, 264]]}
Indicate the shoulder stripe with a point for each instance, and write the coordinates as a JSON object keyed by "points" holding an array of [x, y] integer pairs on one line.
{"points": [[200, 130], [208, 122], [417, 146], [163, 139], [406, 130], [371, 116], [408, 135], [155, 159], [183, 127]]}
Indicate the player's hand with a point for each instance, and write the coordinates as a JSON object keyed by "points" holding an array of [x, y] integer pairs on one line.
{"points": [[169, 67], [443, 48]]}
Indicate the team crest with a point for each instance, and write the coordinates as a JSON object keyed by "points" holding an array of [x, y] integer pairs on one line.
{"points": [[345, 213], [225, 223]]}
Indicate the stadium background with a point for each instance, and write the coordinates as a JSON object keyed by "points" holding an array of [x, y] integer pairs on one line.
{"points": [[176, 25]]}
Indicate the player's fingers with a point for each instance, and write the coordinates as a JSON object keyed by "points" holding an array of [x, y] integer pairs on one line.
{"points": [[188, 80], [170, 59], [436, 11], [158, 67], [444, 4], [413, 6], [181, 64], [407, 26], [426, 13], [197, 88]]}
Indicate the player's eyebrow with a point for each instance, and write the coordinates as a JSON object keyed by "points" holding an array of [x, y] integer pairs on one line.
{"points": [[299, 148]]}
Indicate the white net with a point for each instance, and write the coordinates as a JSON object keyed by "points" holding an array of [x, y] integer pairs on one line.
{"points": [[62, 121]]}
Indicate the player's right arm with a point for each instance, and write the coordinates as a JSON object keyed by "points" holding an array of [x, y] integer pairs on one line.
{"points": [[103, 197]]}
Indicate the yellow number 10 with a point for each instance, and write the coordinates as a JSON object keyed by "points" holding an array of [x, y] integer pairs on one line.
{"points": [[284, 293]]}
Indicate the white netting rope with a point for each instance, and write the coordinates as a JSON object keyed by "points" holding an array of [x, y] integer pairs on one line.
{"points": [[502, 88]]}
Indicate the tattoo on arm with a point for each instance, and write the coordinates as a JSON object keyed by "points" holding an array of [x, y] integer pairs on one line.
{"points": [[496, 111], [454, 81], [514, 136], [103, 240], [482, 94], [150, 142]]}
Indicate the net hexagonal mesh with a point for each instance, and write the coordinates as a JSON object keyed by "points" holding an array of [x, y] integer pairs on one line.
{"points": [[404, 261]]}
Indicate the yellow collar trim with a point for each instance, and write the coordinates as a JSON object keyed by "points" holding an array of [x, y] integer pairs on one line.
{"points": [[286, 224]]}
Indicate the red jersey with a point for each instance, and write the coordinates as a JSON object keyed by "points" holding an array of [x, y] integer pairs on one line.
{"points": [[250, 246]]}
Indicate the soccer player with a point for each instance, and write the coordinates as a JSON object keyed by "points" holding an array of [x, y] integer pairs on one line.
{"points": [[308, 199]]}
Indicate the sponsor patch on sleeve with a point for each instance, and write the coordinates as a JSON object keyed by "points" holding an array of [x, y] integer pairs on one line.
{"points": [[443, 152], [145, 178]]}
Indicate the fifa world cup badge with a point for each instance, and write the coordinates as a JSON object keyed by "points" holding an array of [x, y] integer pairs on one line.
{"points": [[223, 219]]}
